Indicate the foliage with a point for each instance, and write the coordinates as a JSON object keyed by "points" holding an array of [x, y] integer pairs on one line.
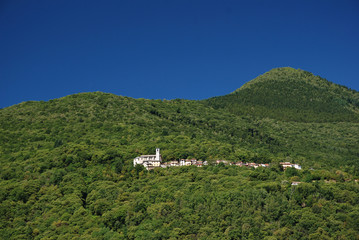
{"points": [[66, 169], [288, 94], [214, 202]]}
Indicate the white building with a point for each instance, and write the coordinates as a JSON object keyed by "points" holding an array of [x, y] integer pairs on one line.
{"points": [[149, 161], [174, 163], [285, 165], [182, 162], [297, 166], [288, 164]]}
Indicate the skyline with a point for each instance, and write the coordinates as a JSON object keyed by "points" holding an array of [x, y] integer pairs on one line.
{"points": [[167, 50]]}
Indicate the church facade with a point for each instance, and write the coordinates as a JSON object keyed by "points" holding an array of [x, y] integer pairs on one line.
{"points": [[149, 161]]}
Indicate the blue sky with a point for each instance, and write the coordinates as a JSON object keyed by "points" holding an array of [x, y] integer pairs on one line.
{"points": [[169, 49]]}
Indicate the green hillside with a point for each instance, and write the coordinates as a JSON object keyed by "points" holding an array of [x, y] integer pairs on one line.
{"points": [[66, 167], [292, 95]]}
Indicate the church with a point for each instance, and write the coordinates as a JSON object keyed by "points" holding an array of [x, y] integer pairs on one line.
{"points": [[149, 161]]}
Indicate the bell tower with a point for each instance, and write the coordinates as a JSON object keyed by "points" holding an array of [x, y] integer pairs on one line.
{"points": [[158, 156]]}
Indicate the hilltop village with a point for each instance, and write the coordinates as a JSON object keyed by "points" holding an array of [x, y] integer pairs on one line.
{"points": [[152, 161]]}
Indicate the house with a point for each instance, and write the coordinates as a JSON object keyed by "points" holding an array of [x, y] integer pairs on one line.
{"points": [[222, 161], [165, 165], [297, 166], [285, 164], [254, 165], [173, 163], [288, 164], [149, 161], [295, 183], [182, 162]]}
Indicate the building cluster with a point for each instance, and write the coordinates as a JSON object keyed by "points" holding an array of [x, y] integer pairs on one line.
{"points": [[153, 161], [285, 165], [149, 161], [184, 162], [242, 164]]}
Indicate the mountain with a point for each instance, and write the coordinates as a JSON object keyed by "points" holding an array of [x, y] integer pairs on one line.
{"points": [[66, 166], [292, 95], [91, 126]]}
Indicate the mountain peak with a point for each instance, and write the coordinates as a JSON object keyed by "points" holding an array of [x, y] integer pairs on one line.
{"points": [[293, 95], [284, 74]]}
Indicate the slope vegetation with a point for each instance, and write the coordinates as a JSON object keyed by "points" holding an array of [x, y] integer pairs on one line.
{"points": [[66, 171], [292, 95]]}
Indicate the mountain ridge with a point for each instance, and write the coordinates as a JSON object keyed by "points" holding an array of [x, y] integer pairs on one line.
{"points": [[276, 74], [66, 172]]}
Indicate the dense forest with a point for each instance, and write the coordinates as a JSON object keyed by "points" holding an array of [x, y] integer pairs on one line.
{"points": [[66, 165], [289, 94]]}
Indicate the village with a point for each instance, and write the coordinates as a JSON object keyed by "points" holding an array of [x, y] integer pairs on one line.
{"points": [[153, 161]]}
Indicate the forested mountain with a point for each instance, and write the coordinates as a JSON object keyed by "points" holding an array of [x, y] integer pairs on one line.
{"points": [[292, 95], [66, 165]]}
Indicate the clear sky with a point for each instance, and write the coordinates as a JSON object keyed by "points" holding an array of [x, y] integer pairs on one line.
{"points": [[169, 49]]}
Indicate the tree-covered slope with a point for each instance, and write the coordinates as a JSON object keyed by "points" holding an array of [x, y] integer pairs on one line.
{"points": [[133, 126], [89, 128], [214, 202], [292, 95], [66, 172]]}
